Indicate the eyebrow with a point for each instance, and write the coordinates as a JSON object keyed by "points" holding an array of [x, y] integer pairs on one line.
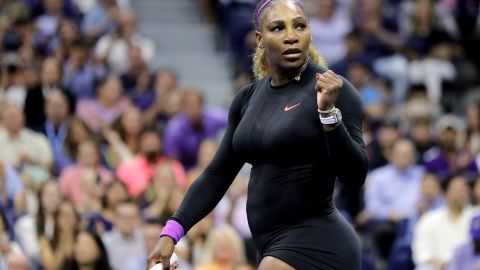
{"points": [[277, 22]]}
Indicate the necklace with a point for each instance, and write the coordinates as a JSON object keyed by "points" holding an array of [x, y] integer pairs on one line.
{"points": [[302, 69]]}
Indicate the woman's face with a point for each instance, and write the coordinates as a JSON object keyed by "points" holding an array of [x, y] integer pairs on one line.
{"points": [[285, 34], [112, 90], [115, 193], [67, 218], [164, 177], [79, 132], [223, 248], [132, 121], [88, 154], [51, 197], [86, 250]]}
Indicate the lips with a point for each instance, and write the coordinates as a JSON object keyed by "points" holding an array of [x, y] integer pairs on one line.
{"points": [[292, 51]]}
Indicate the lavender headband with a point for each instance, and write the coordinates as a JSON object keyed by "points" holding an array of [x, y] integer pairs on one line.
{"points": [[262, 7]]}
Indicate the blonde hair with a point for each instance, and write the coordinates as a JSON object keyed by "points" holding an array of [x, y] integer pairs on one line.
{"points": [[260, 66], [235, 241]]}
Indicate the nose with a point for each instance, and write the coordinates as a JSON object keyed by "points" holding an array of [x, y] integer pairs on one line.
{"points": [[290, 36]]}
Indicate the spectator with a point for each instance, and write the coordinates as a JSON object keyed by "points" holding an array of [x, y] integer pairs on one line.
{"points": [[137, 77], [89, 253], [30, 227], [450, 157], [384, 208], [102, 111], [77, 133], [54, 252], [467, 256], [223, 249], [83, 183], [124, 137], [80, 74], [48, 23], [102, 222], [126, 240], [379, 150], [56, 128], [439, 232], [330, 25], [113, 48], [421, 134], [185, 132], [138, 172], [162, 188], [100, 19], [36, 97], [20, 146], [163, 104]]}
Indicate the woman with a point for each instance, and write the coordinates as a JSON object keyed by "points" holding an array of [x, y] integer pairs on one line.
{"points": [[224, 250], [83, 183], [54, 252], [274, 125], [115, 192], [89, 253], [29, 228], [124, 137]]}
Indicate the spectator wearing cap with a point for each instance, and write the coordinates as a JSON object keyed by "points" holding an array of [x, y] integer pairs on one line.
{"points": [[450, 157], [467, 256], [439, 232]]}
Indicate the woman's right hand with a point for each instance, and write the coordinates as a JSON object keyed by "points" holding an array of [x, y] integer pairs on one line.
{"points": [[161, 253]]}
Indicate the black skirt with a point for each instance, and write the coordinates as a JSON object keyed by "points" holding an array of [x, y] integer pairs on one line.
{"points": [[325, 242]]}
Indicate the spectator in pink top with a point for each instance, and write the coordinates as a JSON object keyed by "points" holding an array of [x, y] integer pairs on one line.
{"points": [[106, 108], [138, 172], [83, 183]]}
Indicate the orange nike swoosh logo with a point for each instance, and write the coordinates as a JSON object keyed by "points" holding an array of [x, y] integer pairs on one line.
{"points": [[288, 108]]}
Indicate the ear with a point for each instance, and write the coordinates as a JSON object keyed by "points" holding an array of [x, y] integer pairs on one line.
{"points": [[258, 37]]}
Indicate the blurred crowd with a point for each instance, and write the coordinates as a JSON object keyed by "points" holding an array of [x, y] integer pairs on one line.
{"points": [[97, 146]]}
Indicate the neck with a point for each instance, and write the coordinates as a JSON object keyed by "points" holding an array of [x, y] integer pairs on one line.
{"points": [[86, 267], [281, 77], [127, 236], [56, 124], [14, 133], [107, 103], [454, 211]]}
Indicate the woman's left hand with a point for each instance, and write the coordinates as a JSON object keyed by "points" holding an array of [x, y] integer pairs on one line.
{"points": [[328, 85]]}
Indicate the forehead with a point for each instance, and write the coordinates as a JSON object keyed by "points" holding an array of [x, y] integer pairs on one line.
{"points": [[281, 10]]}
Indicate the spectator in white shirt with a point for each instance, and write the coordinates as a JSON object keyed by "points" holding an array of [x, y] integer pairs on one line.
{"points": [[113, 48], [20, 146], [439, 232]]}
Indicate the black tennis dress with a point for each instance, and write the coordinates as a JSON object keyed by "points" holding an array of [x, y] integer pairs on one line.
{"points": [[295, 163]]}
